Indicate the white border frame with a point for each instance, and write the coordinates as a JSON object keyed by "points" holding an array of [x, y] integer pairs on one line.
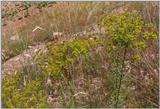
{"points": [[78, 1]]}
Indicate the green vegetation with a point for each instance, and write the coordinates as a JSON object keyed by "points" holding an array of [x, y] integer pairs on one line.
{"points": [[127, 34], [24, 90], [61, 54]]}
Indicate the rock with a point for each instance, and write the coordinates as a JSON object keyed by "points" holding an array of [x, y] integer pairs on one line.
{"points": [[14, 38], [14, 64]]}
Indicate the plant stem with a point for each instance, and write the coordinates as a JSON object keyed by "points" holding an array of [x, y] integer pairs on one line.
{"points": [[121, 77]]}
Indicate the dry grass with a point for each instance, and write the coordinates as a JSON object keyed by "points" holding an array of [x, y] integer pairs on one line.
{"points": [[68, 17]]}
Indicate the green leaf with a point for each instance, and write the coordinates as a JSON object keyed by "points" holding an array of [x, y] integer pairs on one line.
{"points": [[71, 104], [150, 35], [69, 60]]}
